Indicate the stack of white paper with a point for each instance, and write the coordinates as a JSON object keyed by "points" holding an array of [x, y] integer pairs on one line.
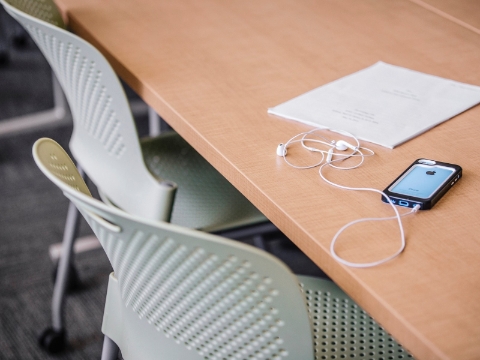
{"points": [[383, 104]]}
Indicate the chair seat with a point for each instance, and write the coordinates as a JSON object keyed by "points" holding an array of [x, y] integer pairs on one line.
{"points": [[341, 329], [205, 201]]}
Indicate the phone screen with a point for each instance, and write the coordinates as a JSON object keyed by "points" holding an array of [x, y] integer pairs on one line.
{"points": [[422, 181]]}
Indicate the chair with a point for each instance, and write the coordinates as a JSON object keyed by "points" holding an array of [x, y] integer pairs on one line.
{"points": [[178, 293], [139, 178]]}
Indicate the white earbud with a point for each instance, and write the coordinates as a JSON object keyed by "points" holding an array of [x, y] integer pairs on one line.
{"points": [[343, 145], [281, 150]]}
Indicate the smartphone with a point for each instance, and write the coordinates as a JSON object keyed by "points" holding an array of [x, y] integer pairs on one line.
{"points": [[423, 183]]}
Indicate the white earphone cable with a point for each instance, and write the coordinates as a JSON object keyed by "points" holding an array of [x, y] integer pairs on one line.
{"points": [[397, 216], [356, 152], [331, 144]]}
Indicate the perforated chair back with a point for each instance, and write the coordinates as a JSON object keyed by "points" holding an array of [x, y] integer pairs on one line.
{"points": [[104, 131], [185, 294]]}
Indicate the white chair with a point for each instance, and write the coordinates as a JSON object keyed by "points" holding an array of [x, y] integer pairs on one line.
{"points": [[178, 293], [140, 178], [105, 143]]}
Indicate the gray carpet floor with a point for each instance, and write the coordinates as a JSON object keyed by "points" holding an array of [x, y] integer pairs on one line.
{"points": [[32, 217]]}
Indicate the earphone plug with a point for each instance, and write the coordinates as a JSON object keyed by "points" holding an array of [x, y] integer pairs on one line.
{"points": [[329, 156], [281, 150]]}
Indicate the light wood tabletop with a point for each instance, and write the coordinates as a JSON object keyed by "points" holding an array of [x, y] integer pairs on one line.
{"points": [[212, 68]]}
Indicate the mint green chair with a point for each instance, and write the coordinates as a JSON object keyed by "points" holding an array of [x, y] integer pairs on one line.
{"points": [[139, 177], [161, 179], [178, 293]]}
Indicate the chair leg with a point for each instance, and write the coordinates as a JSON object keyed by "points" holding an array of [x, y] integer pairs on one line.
{"points": [[56, 115], [259, 242], [156, 125], [110, 349], [153, 123], [53, 339], [65, 261]]}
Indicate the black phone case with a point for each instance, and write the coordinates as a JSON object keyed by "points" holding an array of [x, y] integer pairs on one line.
{"points": [[425, 204]]}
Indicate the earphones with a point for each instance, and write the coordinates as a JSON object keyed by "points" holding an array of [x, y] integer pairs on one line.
{"points": [[313, 141], [281, 150], [334, 152]]}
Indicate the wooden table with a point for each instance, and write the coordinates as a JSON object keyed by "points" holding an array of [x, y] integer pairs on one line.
{"points": [[211, 69]]}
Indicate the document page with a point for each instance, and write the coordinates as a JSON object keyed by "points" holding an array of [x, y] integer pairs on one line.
{"points": [[383, 104]]}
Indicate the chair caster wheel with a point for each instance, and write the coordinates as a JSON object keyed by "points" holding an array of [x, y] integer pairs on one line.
{"points": [[52, 341], [73, 280]]}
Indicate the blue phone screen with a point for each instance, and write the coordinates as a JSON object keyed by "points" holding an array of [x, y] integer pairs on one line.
{"points": [[422, 181]]}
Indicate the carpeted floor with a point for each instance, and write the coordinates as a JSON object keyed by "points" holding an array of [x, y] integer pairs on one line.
{"points": [[32, 216]]}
